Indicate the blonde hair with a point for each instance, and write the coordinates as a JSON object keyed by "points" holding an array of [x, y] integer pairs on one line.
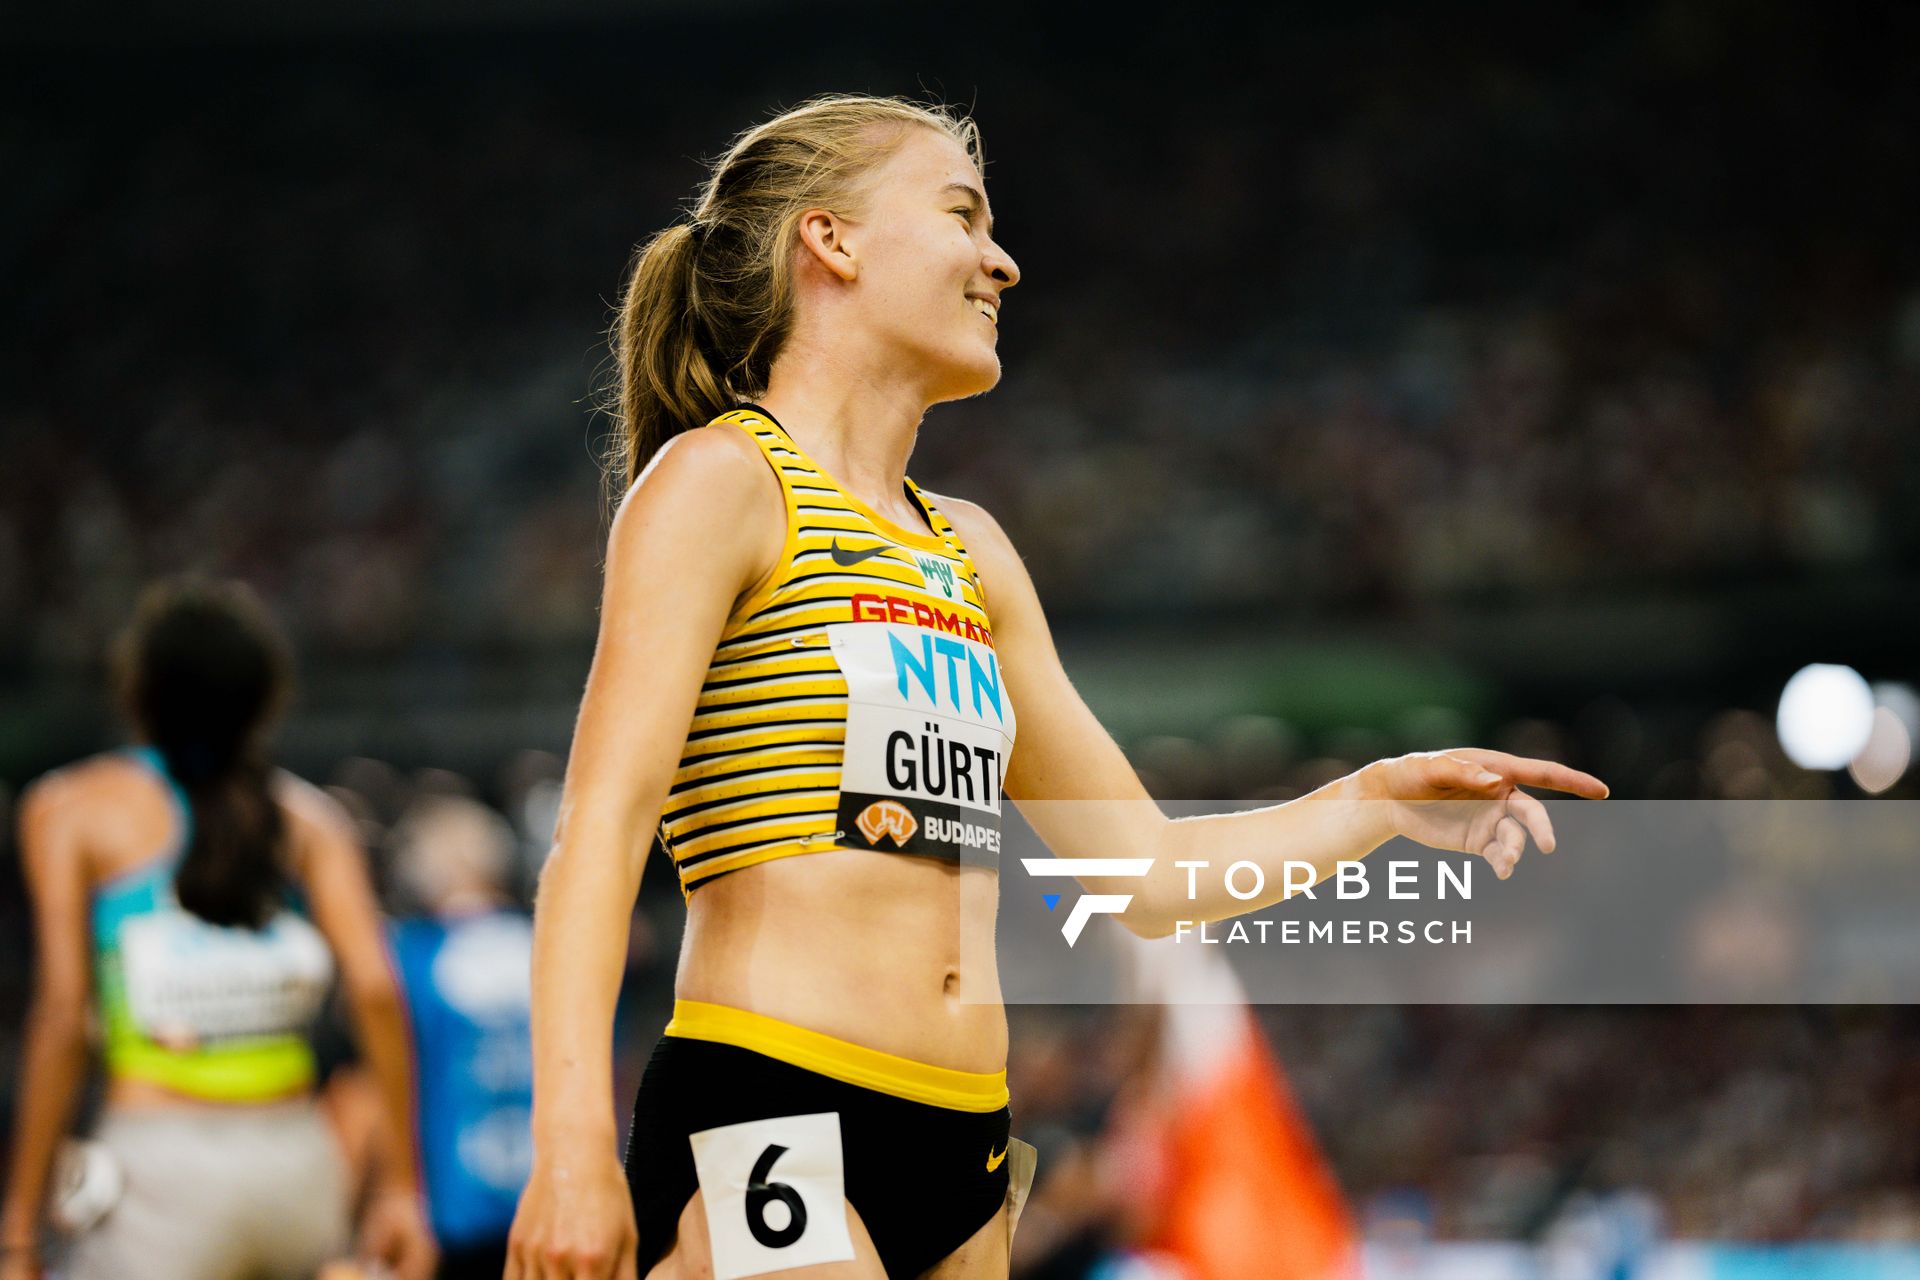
{"points": [[709, 302]]}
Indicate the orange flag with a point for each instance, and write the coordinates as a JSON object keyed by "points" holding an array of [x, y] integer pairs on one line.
{"points": [[1242, 1190]]}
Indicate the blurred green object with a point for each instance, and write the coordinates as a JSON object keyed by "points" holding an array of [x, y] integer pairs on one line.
{"points": [[1173, 686]]}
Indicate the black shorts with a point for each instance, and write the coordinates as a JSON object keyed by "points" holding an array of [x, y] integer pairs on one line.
{"points": [[923, 1177]]}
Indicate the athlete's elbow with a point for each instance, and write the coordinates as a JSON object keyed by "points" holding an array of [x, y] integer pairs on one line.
{"points": [[1159, 902], [373, 993], [605, 843], [1151, 930], [1146, 917]]}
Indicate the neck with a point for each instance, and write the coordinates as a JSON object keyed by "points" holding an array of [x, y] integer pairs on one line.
{"points": [[855, 421]]}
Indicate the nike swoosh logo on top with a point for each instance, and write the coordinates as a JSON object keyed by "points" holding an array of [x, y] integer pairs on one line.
{"points": [[844, 556], [993, 1161]]}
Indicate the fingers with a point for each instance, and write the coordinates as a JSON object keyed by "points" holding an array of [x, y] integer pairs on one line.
{"points": [[536, 1264], [523, 1263], [1532, 815], [1448, 772], [1503, 850], [1538, 773], [1558, 777]]}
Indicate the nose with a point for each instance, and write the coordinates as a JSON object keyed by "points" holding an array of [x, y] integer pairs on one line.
{"points": [[1000, 266]]}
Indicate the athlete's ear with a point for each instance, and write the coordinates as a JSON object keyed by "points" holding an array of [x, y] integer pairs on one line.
{"points": [[824, 235]]}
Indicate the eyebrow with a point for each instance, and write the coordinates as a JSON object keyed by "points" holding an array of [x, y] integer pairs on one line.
{"points": [[973, 195]]}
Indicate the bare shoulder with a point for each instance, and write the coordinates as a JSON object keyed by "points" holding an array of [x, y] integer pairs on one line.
{"points": [[992, 551], [716, 444], [70, 792], [1006, 586], [715, 467], [978, 529], [708, 491], [54, 791], [68, 812]]}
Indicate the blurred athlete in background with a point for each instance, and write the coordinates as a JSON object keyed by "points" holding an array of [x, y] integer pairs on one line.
{"points": [[202, 901], [465, 967], [798, 688]]}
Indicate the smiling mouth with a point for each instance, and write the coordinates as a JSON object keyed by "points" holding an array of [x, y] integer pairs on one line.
{"points": [[990, 310]]}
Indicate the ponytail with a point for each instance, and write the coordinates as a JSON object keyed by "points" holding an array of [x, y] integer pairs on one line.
{"points": [[203, 673], [231, 873], [666, 382]]}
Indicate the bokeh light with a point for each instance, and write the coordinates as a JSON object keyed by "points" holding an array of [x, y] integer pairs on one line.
{"points": [[1884, 759], [1826, 716]]}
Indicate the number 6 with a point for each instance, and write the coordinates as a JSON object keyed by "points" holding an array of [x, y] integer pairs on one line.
{"points": [[760, 1192], [735, 1166]]}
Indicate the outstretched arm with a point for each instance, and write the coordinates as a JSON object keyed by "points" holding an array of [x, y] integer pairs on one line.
{"points": [[1064, 761]]}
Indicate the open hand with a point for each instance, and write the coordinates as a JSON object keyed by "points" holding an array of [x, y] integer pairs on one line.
{"points": [[1468, 799]]}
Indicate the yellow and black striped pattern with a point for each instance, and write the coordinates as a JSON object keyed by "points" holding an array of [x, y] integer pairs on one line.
{"points": [[759, 776]]}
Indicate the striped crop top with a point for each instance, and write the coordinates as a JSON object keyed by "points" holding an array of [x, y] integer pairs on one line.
{"points": [[854, 700]]}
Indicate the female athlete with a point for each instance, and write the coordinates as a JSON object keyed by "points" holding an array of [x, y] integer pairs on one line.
{"points": [[805, 685], [203, 901]]}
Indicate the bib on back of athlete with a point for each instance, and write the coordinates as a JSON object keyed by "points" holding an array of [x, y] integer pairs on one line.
{"points": [[190, 982]]}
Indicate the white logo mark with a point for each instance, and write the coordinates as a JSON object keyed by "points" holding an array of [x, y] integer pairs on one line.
{"points": [[1092, 904]]}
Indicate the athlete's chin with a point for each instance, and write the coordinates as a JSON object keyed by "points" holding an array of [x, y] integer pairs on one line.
{"points": [[975, 378]]}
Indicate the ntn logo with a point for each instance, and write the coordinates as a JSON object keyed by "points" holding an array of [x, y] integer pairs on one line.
{"points": [[922, 668]]}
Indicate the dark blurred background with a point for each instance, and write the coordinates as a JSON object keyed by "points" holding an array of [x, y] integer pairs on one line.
{"points": [[1383, 377]]}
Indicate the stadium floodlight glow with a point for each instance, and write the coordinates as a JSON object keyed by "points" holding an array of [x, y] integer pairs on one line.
{"points": [[1825, 717]]}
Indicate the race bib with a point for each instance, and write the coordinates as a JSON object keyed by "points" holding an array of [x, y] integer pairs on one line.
{"points": [[929, 730], [775, 1193], [189, 982]]}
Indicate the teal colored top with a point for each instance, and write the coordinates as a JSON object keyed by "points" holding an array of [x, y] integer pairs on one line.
{"points": [[211, 1011]]}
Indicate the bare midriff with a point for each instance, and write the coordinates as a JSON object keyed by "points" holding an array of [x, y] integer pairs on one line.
{"points": [[888, 951]]}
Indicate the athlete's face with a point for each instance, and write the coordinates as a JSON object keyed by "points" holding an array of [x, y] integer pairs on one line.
{"points": [[929, 274]]}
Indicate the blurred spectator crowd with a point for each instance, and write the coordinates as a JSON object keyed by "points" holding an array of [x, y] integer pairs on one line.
{"points": [[1397, 317]]}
